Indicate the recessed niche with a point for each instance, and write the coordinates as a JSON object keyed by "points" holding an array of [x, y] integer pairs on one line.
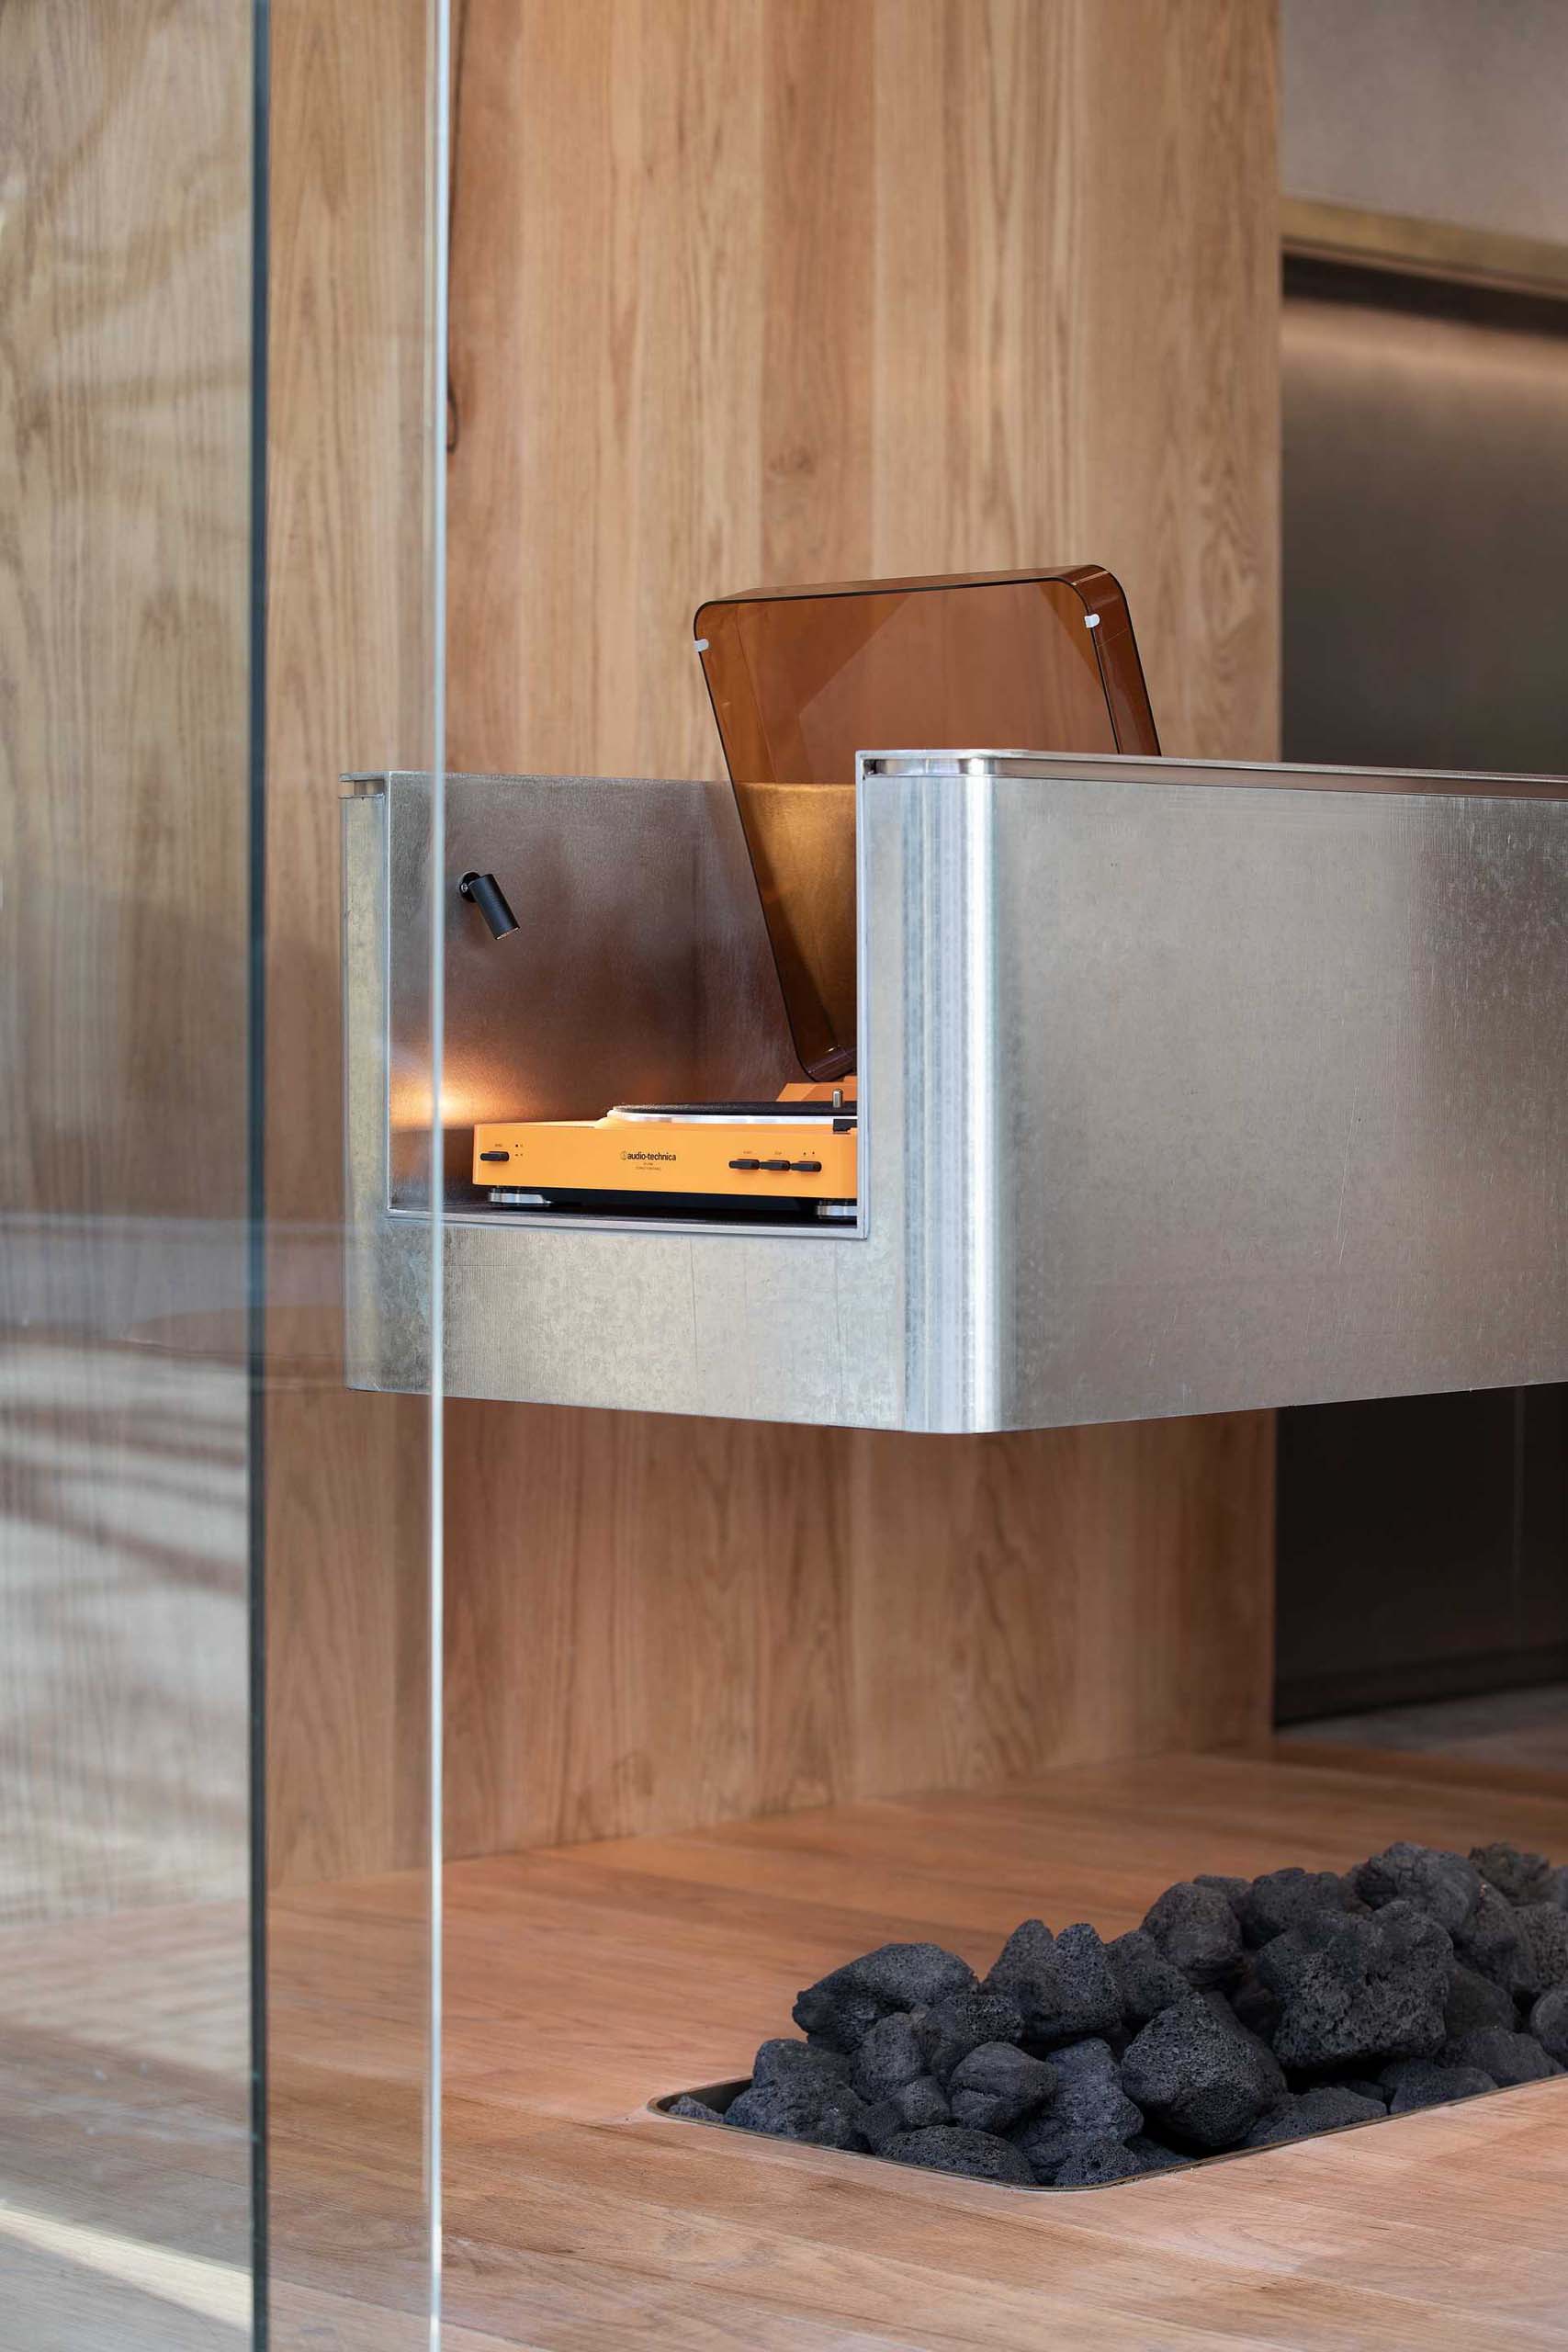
{"points": [[1242, 2015]]}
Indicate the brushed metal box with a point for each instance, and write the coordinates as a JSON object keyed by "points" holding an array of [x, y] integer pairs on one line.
{"points": [[1183, 1088]]}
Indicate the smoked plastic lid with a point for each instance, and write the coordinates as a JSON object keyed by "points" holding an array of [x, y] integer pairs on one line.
{"points": [[802, 679]]}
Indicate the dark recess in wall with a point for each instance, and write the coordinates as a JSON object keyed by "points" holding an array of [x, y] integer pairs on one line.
{"points": [[1423, 1542]]}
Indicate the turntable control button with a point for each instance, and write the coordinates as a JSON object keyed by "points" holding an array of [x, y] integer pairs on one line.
{"points": [[749, 1165], [807, 1168], [776, 1167], [495, 1155]]}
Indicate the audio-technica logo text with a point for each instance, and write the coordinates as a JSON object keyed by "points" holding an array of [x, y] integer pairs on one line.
{"points": [[648, 1155]]}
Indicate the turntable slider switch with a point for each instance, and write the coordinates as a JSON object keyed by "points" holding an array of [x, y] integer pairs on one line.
{"points": [[495, 1155]]}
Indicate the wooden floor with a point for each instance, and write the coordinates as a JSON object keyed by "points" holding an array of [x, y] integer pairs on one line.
{"points": [[581, 1982]]}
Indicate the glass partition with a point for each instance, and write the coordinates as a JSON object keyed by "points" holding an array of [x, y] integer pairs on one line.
{"points": [[221, 426]]}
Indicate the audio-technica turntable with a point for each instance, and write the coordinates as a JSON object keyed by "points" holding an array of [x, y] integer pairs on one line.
{"points": [[800, 680]]}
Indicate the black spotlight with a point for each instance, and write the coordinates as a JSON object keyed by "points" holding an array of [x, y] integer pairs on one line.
{"points": [[482, 891]]}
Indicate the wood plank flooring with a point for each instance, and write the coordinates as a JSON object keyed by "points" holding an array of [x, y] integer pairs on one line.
{"points": [[582, 1981]]}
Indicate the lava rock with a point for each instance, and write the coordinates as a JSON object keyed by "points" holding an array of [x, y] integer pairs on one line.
{"points": [[1545, 1931], [1199, 2079], [1095, 2162], [1353, 1989], [1326, 2108], [1281, 1900], [1419, 2082], [1156, 2157], [840, 2010], [1473, 2004], [890, 2056], [950, 2029], [1088, 2104], [1063, 1986], [918, 2106], [1195, 1928], [881, 2122], [693, 2110], [1523, 1878], [1556, 1887], [828, 2115], [1548, 2023], [1362, 2085], [1234, 1890], [1254, 2004], [1445, 1886], [950, 2148], [997, 2085], [791, 2062], [1145, 1980], [1508, 2057], [1492, 1941], [922, 2104]]}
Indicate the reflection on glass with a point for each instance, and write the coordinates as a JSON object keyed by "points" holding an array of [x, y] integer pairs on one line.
{"points": [[126, 2205], [168, 1452]]}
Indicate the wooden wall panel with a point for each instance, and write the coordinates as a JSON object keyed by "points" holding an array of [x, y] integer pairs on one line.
{"points": [[349, 687], [124, 783], [694, 1619], [796, 290]]}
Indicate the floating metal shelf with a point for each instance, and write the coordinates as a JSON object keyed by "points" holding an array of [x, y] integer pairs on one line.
{"points": [[1183, 1088]]}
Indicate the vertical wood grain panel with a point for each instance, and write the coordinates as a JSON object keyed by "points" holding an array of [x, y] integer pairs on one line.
{"points": [[124, 783], [805, 289], [349, 666]]}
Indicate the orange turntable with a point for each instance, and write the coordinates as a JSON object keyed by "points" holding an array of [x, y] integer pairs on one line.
{"points": [[801, 680]]}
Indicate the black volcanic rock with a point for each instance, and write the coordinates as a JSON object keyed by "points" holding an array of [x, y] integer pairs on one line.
{"points": [[1145, 1980], [997, 2086], [1088, 2105], [1548, 2023], [950, 2029], [890, 2055], [1508, 2058], [1093, 2163], [1199, 2079], [1243, 2013], [1357, 1989], [1325, 2108], [949, 2148], [840, 2008], [1492, 1941], [1419, 2082], [1545, 1932], [1063, 1986], [1282, 1899], [694, 2111], [828, 2115], [1196, 1930], [1234, 1890], [791, 2062], [1473, 2004], [1445, 1886], [1523, 1878], [1254, 2004], [913, 2106]]}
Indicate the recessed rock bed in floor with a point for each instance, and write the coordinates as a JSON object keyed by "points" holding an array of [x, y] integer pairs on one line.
{"points": [[1241, 2014]]}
